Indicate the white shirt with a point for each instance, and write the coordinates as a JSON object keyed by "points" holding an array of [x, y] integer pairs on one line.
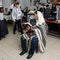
{"points": [[16, 13], [58, 13], [40, 18], [1, 16]]}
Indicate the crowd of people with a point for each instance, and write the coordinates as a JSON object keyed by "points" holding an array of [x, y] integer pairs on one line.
{"points": [[33, 38], [52, 9]]}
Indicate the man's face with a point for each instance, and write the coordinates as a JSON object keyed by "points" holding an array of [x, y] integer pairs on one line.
{"points": [[37, 5], [36, 17], [17, 6]]}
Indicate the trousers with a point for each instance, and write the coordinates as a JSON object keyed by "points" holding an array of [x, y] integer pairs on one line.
{"points": [[34, 44]]}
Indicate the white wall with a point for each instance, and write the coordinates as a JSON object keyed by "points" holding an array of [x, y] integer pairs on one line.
{"points": [[7, 3], [0, 3], [24, 3], [28, 3]]}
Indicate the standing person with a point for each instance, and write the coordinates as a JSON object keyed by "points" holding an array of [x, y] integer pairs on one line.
{"points": [[38, 6], [26, 10], [53, 11], [17, 16], [58, 12], [47, 15]]}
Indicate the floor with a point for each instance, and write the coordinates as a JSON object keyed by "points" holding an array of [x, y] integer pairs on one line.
{"points": [[10, 48]]}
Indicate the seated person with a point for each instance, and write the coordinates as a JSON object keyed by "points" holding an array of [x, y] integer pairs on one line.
{"points": [[47, 12], [53, 11], [34, 36], [3, 26]]}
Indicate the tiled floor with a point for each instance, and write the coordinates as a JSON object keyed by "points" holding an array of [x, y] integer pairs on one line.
{"points": [[10, 48]]}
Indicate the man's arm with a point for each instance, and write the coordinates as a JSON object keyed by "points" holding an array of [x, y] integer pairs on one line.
{"points": [[13, 15]]}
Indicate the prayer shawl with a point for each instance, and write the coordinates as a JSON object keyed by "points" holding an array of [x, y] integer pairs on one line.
{"points": [[40, 18], [40, 32], [43, 29], [41, 38]]}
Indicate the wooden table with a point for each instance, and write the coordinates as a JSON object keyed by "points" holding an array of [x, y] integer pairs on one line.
{"points": [[52, 21], [54, 27]]}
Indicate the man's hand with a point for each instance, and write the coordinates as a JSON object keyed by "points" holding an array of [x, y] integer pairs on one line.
{"points": [[14, 20]]}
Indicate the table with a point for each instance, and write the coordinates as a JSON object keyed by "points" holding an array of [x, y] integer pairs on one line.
{"points": [[54, 27]]}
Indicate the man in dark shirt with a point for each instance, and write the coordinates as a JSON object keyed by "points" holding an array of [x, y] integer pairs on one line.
{"points": [[37, 4]]}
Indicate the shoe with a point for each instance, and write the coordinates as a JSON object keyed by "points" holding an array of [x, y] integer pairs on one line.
{"points": [[0, 38], [23, 52], [29, 56], [19, 30], [13, 32], [36, 50]]}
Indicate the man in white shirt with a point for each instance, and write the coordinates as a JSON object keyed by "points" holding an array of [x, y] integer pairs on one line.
{"points": [[17, 16], [58, 12]]}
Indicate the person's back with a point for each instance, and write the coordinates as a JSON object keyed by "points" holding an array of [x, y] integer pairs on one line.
{"points": [[47, 11], [39, 7]]}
